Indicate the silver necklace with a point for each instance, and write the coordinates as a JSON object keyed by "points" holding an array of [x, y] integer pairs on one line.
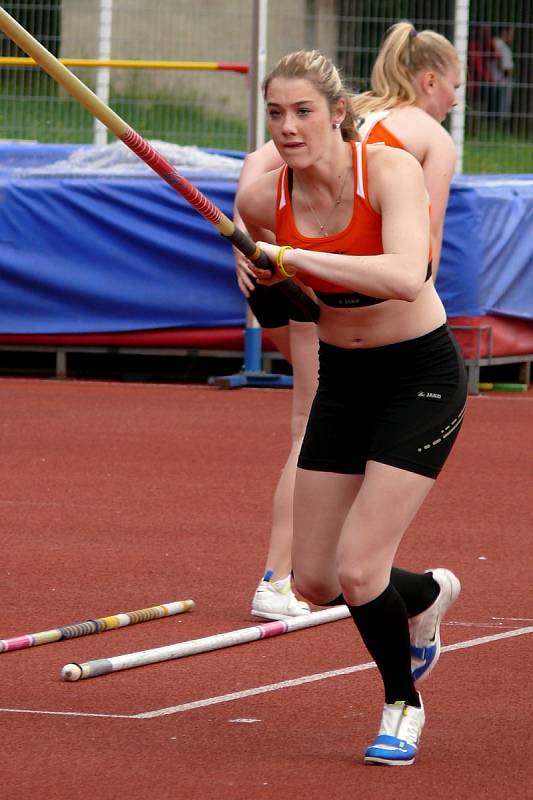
{"points": [[322, 226]]}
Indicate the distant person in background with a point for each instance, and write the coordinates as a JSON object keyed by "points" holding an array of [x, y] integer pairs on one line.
{"points": [[502, 70], [481, 60]]}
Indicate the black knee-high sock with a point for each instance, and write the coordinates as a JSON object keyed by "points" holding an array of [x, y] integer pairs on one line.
{"points": [[384, 629], [418, 590]]}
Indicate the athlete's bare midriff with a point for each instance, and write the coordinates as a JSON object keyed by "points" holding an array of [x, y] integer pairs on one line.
{"points": [[386, 323]]}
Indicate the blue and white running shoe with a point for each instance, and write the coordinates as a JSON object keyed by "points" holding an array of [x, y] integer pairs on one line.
{"points": [[424, 629], [396, 744]]}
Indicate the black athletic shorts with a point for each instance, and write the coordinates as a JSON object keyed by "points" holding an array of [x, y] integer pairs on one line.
{"points": [[272, 309], [401, 404]]}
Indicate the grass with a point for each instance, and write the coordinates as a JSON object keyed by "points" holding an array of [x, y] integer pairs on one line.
{"points": [[489, 158], [493, 150], [46, 114], [184, 121], [59, 119]]}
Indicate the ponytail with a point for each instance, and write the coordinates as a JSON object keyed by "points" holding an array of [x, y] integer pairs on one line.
{"points": [[403, 54]]}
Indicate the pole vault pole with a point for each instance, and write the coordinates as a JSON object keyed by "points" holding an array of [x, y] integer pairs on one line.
{"points": [[225, 226], [103, 666], [118, 620]]}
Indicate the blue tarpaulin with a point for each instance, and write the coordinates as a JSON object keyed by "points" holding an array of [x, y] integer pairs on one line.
{"points": [[92, 254], [487, 258]]}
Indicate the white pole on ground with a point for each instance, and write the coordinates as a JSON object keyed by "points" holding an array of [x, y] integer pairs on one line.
{"points": [[103, 666]]}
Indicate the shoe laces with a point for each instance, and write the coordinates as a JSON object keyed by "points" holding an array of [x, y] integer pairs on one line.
{"points": [[272, 587], [402, 721]]}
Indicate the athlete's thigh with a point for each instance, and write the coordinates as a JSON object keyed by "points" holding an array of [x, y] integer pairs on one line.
{"points": [[385, 505]]}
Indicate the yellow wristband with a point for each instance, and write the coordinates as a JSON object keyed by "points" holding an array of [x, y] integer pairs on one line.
{"points": [[279, 262]]}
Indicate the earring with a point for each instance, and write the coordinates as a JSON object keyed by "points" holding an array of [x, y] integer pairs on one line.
{"points": [[336, 125]]}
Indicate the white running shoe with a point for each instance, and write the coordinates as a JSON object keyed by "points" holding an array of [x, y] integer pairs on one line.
{"points": [[272, 602], [399, 734], [424, 629]]}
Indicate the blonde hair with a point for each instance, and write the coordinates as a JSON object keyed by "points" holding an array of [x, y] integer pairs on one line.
{"points": [[313, 66], [403, 54]]}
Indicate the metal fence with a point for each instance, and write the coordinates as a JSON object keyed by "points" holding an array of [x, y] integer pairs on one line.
{"points": [[207, 106]]}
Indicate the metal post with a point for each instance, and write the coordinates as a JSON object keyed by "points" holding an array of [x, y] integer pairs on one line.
{"points": [[103, 73], [252, 374], [460, 40], [256, 137], [256, 116]]}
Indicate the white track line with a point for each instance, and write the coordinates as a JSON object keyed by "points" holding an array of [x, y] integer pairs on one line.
{"points": [[65, 713], [272, 687], [311, 678], [498, 625]]}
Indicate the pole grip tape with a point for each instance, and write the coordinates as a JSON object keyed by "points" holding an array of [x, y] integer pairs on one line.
{"points": [[296, 296]]}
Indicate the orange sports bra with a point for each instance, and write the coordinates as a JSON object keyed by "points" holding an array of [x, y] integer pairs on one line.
{"points": [[362, 235]]}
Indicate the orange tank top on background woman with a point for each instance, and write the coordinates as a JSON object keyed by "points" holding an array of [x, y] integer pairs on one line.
{"points": [[372, 131]]}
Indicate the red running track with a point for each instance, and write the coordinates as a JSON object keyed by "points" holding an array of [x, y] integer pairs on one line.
{"points": [[120, 496]]}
